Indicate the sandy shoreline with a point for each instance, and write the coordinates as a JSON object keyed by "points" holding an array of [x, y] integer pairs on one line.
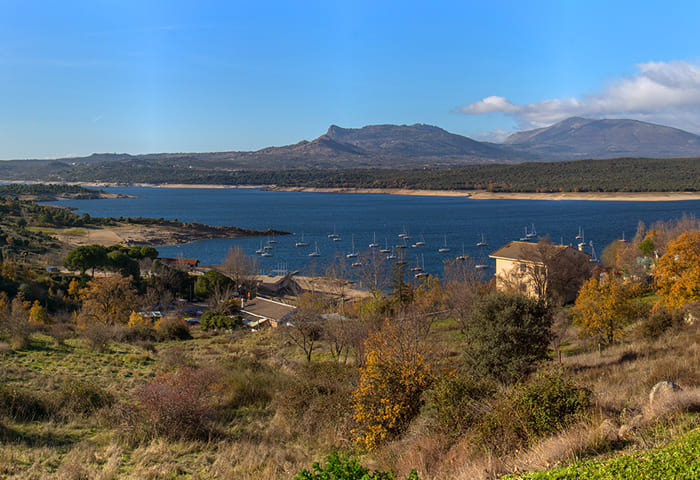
{"points": [[485, 195], [475, 194]]}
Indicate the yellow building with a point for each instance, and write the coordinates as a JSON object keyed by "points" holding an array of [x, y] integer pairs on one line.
{"points": [[543, 270]]}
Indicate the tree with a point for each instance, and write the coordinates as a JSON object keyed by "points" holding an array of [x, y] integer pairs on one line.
{"points": [[602, 309], [120, 261], [241, 268], [212, 281], [507, 335], [398, 369], [108, 300], [86, 257], [304, 328], [677, 272], [463, 285], [37, 314]]}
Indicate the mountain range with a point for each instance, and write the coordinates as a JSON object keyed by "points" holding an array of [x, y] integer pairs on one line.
{"points": [[388, 146]]}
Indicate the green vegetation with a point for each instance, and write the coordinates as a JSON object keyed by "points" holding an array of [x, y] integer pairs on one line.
{"points": [[48, 191], [678, 460], [613, 175], [337, 468]]}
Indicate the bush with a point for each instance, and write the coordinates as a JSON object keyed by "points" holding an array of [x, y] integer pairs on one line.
{"points": [[659, 322], [456, 403], [507, 336], [173, 330], [250, 383], [546, 404], [318, 397], [82, 397], [22, 405], [337, 468], [178, 405], [211, 320], [99, 335]]}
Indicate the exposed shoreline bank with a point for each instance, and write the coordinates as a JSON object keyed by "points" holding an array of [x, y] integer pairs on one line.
{"points": [[473, 194]]}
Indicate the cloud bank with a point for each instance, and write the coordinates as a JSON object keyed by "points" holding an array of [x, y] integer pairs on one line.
{"points": [[659, 92]]}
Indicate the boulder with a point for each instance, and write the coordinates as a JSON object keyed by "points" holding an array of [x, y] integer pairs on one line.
{"points": [[661, 390]]}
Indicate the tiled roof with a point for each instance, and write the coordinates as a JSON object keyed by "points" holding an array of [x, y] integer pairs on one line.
{"points": [[524, 251]]}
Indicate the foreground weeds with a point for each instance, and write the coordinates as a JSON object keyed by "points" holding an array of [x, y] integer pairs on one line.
{"points": [[250, 407]]}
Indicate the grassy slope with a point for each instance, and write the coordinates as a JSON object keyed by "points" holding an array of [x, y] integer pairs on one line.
{"points": [[258, 443], [678, 460]]}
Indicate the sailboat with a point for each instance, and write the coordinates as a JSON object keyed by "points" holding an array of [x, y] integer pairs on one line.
{"points": [[482, 243], [444, 249], [374, 243], [420, 242], [531, 234], [463, 256], [582, 243], [333, 235], [594, 257], [580, 233], [260, 250], [353, 253], [386, 247], [302, 243], [526, 238], [481, 266], [315, 253], [417, 268]]}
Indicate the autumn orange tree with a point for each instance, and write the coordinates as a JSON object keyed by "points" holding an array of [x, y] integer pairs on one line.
{"points": [[397, 371], [109, 300], [603, 309], [677, 272]]}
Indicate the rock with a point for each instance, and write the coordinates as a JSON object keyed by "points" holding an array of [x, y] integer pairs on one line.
{"points": [[661, 390], [608, 430]]}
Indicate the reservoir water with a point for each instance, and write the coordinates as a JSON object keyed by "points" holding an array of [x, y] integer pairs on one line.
{"points": [[454, 223]]}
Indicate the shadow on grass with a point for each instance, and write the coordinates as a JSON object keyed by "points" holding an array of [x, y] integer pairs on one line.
{"points": [[49, 439]]}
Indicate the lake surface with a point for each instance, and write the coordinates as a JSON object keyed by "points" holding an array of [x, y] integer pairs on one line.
{"points": [[453, 222]]}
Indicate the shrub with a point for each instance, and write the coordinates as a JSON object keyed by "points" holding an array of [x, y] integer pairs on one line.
{"points": [[318, 396], [660, 321], [180, 404], [22, 405], [211, 320], [457, 403], [397, 371], [337, 468], [99, 335], [82, 397], [250, 383], [546, 404], [172, 329], [507, 336]]}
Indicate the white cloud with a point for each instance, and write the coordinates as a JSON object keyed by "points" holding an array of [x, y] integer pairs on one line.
{"points": [[660, 92]]}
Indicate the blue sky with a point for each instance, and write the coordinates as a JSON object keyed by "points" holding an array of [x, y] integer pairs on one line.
{"points": [[78, 77]]}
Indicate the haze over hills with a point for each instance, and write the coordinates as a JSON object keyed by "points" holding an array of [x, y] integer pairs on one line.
{"points": [[577, 137], [379, 146]]}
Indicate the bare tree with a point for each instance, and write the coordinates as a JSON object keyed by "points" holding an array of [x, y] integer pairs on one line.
{"points": [[241, 268], [374, 272], [337, 274], [304, 329], [463, 285]]}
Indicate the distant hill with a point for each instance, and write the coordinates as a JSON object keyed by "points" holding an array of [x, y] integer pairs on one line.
{"points": [[577, 137], [395, 147]]}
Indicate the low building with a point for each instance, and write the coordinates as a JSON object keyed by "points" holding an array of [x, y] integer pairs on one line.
{"points": [[543, 270], [261, 311]]}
